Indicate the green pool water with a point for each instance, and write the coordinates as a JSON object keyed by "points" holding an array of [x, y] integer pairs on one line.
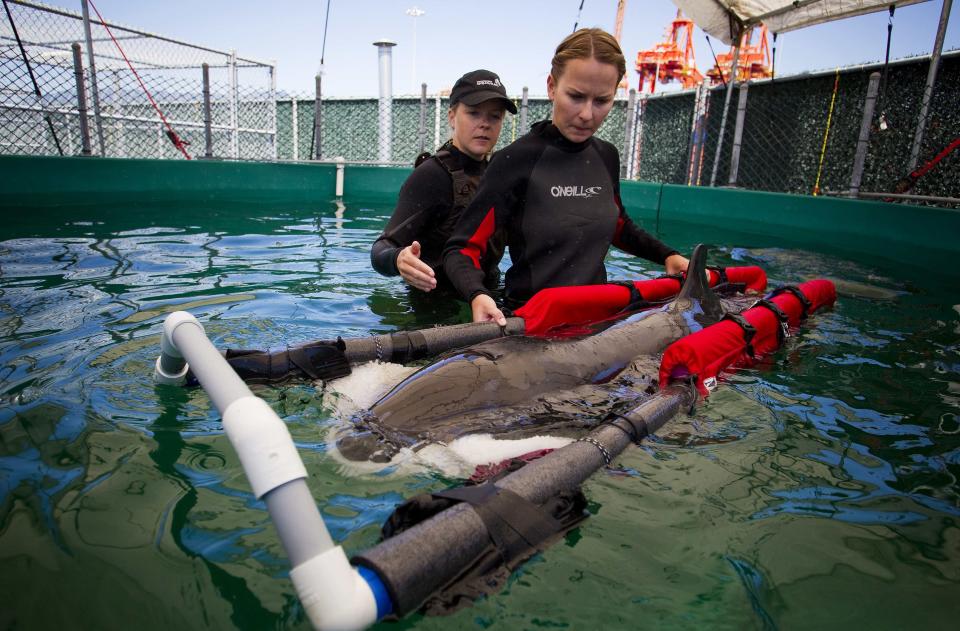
{"points": [[817, 489]]}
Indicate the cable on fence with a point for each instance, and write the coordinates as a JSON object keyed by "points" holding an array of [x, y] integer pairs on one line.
{"points": [[908, 182], [886, 68], [178, 142], [577, 21], [323, 52], [826, 132], [36, 86], [715, 62], [773, 61]]}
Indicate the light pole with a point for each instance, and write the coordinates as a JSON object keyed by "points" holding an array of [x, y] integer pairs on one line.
{"points": [[414, 12]]}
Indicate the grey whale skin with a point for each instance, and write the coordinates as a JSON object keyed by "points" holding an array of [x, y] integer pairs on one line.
{"points": [[454, 395]]}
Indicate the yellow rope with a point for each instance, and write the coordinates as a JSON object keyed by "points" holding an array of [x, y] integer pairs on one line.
{"points": [[826, 133]]}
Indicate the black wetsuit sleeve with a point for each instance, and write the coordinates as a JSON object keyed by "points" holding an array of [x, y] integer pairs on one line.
{"points": [[425, 193], [630, 237], [490, 210]]}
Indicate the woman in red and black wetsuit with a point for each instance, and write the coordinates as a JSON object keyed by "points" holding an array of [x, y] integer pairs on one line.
{"points": [[555, 192], [440, 187]]}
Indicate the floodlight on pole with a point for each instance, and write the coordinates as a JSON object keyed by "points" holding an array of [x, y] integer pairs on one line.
{"points": [[414, 12]]}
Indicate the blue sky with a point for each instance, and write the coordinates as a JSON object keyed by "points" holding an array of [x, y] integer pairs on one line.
{"points": [[514, 38]]}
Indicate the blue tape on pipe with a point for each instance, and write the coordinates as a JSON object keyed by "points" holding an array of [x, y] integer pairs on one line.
{"points": [[384, 604]]}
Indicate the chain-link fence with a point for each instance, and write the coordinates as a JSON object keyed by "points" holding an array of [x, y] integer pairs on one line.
{"points": [[349, 127], [800, 134], [803, 134], [139, 91]]}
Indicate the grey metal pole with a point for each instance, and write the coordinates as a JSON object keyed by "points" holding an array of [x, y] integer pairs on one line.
{"points": [[207, 118], [423, 117], [928, 90], [628, 135], [295, 131], [318, 118], [385, 108], [696, 130], [726, 109], [93, 75], [860, 158], [738, 134], [81, 101], [524, 107], [273, 108], [234, 106]]}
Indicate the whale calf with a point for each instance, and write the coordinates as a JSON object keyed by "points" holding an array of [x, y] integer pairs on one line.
{"points": [[464, 392]]}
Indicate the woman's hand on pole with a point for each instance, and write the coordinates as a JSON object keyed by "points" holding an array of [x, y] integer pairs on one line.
{"points": [[417, 273], [676, 264], [485, 310]]}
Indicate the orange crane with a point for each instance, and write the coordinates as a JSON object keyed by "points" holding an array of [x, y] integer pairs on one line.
{"points": [[754, 61], [672, 59]]}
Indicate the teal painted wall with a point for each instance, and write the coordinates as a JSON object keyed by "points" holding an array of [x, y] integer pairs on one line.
{"points": [[896, 234]]}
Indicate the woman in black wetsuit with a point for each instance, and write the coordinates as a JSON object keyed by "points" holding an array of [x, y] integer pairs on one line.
{"points": [[555, 192], [441, 186]]}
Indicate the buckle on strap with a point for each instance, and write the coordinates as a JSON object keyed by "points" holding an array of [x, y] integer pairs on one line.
{"points": [[805, 305], [783, 332], [749, 331]]}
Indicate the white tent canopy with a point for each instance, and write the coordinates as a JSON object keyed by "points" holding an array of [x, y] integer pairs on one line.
{"points": [[724, 19]]}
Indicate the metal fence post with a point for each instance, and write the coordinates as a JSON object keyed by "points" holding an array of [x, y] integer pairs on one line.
{"points": [[234, 107], [436, 123], [385, 105], [928, 89], [628, 135], [273, 108], [524, 107], [207, 132], [294, 128], [93, 75], [423, 117], [738, 134], [860, 158], [81, 101], [638, 143], [317, 118], [726, 109]]}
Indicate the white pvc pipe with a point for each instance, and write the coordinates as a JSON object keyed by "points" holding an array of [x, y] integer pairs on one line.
{"points": [[340, 172], [333, 593], [385, 107]]}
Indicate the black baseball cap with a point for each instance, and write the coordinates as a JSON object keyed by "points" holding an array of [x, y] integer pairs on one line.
{"points": [[478, 86]]}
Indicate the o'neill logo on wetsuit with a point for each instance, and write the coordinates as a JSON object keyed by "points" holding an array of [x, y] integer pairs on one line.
{"points": [[575, 191]]}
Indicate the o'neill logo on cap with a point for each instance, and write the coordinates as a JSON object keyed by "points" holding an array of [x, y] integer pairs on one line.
{"points": [[575, 191], [495, 82]]}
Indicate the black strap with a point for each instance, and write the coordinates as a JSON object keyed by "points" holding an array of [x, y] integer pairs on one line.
{"points": [[515, 524], [408, 346], [637, 301], [749, 331], [782, 317], [721, 273], [635, 429], [795, 291]]}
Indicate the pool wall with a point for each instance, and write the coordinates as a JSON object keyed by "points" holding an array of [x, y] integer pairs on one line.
{"points": [[34, 188]]}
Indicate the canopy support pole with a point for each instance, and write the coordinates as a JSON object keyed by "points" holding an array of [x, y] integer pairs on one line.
{"points": [[726, 110], [928, 90]]}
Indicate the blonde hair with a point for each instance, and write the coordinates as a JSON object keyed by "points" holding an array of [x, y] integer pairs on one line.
{"points": [[588, 43]]}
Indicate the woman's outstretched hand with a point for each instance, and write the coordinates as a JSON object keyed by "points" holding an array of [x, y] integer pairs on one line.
{"points": [[676, 264], [485, 310], [417, 273]]}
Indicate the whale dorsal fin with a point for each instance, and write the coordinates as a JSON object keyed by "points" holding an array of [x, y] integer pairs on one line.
{"points": [[696, 287]]}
